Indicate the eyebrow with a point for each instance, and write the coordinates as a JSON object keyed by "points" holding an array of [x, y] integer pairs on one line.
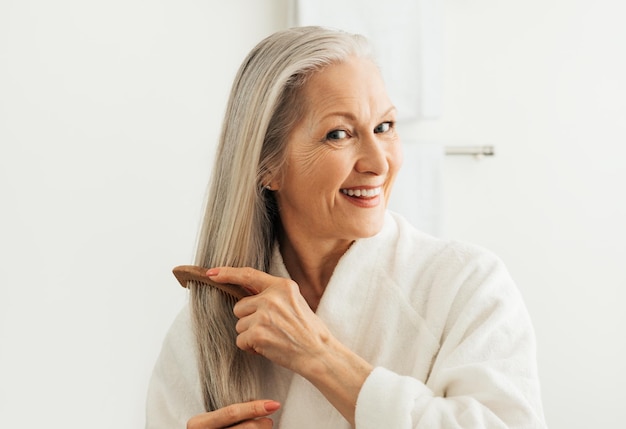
{"points": [[350, 116]]}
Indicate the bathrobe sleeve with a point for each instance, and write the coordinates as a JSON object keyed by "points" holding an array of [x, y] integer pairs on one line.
{"points": [[174, 392], [484, 373]]}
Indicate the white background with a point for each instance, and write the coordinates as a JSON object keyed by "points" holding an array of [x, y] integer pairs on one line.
{"points": [[109, 112]]}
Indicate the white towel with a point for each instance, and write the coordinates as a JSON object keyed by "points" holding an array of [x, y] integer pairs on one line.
{"points": [[407, 39], [418, 191]]}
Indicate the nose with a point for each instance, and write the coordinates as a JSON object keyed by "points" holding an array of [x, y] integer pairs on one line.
{"points": [[373, 155]]}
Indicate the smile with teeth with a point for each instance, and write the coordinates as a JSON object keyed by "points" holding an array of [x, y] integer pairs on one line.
{"points": [[362, 193]]}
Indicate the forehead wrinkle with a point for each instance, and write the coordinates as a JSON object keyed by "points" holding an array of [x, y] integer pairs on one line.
{"points": [[335, 105], [331, 101], [347, 109], [328, 97], [331, 92]]}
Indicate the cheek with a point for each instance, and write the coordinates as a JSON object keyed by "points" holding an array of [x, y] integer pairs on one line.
{"points": [[395, 157], [314, 165]]}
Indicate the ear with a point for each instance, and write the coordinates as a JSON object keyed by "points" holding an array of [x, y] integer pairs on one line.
{"points": [[270, 182], [272, 185]]}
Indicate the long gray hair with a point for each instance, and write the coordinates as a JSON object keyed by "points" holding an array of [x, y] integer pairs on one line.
{"points": [[241, 217]]}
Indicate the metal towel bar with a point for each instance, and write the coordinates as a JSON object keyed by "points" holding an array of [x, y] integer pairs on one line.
{"points": [[477, 151]]}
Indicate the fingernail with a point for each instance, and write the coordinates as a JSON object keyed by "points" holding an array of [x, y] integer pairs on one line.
{"points": [[271, 406], [212, 272]]}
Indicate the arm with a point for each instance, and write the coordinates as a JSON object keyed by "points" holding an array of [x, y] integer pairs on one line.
{"points": [[339, 374]]}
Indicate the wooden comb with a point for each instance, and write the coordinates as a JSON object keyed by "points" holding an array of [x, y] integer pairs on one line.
{"points": [[193, 273]]}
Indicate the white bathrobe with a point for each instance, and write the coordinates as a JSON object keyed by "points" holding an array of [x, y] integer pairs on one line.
{"points": [[442, 323]]}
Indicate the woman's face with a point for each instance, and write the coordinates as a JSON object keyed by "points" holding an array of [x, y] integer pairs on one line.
{"points": [[342, 157]]}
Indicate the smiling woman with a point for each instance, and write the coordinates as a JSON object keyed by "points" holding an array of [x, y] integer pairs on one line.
{"points": [[347, 132], [356, 319]]}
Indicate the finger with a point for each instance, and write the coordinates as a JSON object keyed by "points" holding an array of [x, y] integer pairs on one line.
{"points": [[250, 337], [233, 414], [254, 280], [245, 307], [243, 324], [248, 343]]}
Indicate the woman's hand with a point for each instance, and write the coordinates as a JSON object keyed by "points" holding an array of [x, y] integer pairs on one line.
{"points": [[276, 322], [248, 415]]}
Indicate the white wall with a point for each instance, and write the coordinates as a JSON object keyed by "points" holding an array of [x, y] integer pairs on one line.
{"points": [[108, 116], [544, 82]]}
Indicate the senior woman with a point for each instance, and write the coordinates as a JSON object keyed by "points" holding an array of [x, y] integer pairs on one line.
{"points": [[356, 318]]}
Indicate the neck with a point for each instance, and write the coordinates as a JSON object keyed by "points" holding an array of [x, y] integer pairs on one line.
{"points": [[311, 264]]}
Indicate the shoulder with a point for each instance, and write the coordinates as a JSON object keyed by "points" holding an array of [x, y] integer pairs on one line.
{"points": [[455, 285], [430, 268], [410, 249]]}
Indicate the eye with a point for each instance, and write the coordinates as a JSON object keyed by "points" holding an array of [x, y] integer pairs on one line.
{"points": [[383, 128], [336, 135]]}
